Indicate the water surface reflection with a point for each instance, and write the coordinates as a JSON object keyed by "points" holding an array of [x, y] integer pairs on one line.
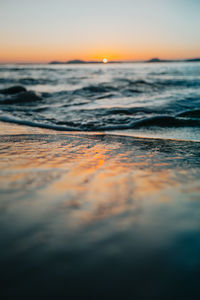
{"points": [[99, 217]]}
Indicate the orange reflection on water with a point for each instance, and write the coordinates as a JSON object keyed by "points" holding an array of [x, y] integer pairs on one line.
{"points": [[84, 178]]}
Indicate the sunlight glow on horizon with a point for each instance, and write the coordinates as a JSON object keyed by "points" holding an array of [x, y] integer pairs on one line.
{"points": [[62, 30]]}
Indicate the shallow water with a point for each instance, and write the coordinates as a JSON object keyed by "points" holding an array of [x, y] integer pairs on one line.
{"points": [[98, 217], [141, 99]]}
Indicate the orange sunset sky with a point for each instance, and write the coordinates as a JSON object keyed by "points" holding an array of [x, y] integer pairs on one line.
{"points": [[41, 31]]}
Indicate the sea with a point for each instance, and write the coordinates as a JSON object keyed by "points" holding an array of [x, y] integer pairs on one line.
{"points": [[159, 100], [106, 204]]}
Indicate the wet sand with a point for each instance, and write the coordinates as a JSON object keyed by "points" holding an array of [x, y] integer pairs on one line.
{"points": [[98, 216]]}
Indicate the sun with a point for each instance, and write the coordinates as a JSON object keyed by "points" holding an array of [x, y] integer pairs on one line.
{"points": [[105, 60]]}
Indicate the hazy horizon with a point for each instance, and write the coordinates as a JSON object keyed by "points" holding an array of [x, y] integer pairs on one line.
{"points": [[73, 61], [44, 31]]}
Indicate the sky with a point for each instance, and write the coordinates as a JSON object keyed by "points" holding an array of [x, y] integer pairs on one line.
{"points": [[45, 30]]}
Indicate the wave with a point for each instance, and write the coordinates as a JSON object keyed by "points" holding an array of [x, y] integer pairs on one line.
{"points": [[117, 87], [128, 87], [13, 90], [35, 124], [190, 114], [130, 111], [125, 88], [34, 81], [161, 122], [132, 82], [158, 83], [179, 82], [166, 121], [18, 94], [27, 81], [95, 89]]}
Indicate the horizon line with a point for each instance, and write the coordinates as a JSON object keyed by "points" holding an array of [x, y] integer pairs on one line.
{"points": [[81, 61]]}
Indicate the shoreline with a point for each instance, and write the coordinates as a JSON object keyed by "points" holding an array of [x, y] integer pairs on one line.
{"points": [[16, 129]]}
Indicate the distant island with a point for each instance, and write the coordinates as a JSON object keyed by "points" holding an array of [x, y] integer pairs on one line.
{"points": [[75, 61], [152, 60], [193, 59], [158, 60], [79, 61]]}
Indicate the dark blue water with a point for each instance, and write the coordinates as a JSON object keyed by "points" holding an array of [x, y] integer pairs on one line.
{"points": [[143, 99]]}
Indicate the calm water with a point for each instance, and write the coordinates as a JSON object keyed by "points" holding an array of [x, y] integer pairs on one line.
{"points": [[158, 100]]}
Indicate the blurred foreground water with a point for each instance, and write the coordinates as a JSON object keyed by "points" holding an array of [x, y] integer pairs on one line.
{"points": [[98, 216]]}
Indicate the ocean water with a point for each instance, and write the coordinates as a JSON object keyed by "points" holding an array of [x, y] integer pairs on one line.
{"points": [[101, 216], [137, 99]]}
